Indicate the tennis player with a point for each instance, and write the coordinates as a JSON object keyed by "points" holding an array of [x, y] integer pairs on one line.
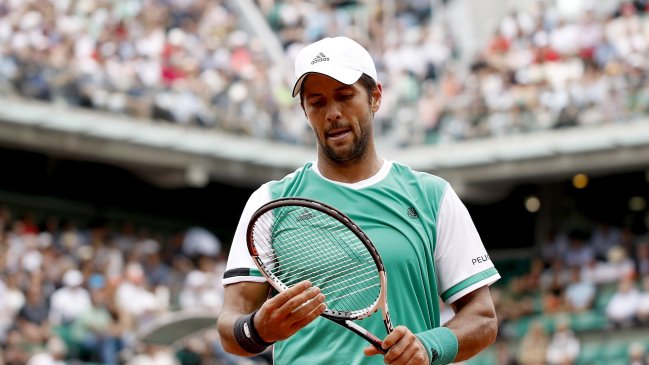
{"points": [[423, 232]]}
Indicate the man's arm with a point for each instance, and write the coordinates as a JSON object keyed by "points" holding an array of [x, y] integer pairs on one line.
{"points": [[276, 319], [239, 299], [474, 325]]}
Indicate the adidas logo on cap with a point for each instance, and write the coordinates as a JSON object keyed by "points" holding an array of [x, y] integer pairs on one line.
{"points": [[319, 58]]}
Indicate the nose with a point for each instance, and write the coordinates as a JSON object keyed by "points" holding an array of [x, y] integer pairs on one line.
{"points": [[333, 112]]}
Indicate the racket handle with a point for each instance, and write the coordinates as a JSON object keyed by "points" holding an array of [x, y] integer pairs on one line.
{"points": [[367, 335], [376, 342]]}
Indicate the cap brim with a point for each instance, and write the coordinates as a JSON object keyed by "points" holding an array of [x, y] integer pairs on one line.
{"points": [[344, 75]]}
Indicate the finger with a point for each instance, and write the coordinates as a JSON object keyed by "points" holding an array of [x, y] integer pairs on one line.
{"points": [[311, 316], [406, 358], [308, 299], [403, 342], [308, 306], [286, 302], [394, 336], [405, 351], [280, 299], [371, 351]]}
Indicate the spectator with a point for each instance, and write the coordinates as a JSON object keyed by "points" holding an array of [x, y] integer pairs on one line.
{"points": [[534, 345], [517, 300], [199, 293], [504, 354], [14, 298], [642, 311], [637, 353], [69, 301], [155, 269], [200, 242], [597, 272], [564, 345], [133, 298], [579, 253], [36, 309], [554, 247], [554, 298], [619, 264], [5, 313], [579, 293], [16, 348], [53, 355], [642, 259], [153, 355], [622, 307], [604, 238], [96, 331]]}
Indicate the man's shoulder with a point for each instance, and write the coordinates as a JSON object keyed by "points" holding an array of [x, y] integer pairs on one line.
{"points": [[424, 180], [287, 185], [403, 169]]}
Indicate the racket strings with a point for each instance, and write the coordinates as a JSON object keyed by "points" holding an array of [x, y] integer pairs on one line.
{"points": [[344, 266], [298, 243], [309, 243]]}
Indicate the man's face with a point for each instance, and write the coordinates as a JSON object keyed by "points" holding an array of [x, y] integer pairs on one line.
{"points": [[341, 116]]}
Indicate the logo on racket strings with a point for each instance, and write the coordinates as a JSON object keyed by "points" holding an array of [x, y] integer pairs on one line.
{"points": [[306, 215], [412, 213]]}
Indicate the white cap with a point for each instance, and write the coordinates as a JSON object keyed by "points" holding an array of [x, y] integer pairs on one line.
{"points": [[72, 278], [340, 58]]}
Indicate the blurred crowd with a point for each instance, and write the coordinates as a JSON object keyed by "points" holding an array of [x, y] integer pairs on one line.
{"points": [[593, 278], [192, 62], [182, 61], [74, 294], [78, 294]]}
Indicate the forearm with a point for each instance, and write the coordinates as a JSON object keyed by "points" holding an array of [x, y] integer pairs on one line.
{"points": [[475, 324], [225, 326], [240, 299]]}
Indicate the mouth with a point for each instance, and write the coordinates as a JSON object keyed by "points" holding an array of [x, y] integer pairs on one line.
{"points": [[338, 133]]}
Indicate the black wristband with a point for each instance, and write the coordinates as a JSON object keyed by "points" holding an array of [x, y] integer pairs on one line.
{"points": [[247, 336]]}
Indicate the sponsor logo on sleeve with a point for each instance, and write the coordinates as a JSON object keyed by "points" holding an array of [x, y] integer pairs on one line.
{"points": [[480, 259]]}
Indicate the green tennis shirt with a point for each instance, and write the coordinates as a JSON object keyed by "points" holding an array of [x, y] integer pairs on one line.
{"points": [[425, 237]]}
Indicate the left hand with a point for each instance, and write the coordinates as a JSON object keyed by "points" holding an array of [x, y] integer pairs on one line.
{"points": [[405, 348]]}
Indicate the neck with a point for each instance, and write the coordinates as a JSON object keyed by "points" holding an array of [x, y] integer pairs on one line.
{"points": [[350, 171]]}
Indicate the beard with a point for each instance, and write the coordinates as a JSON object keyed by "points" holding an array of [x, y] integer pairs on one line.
{"points": [[354, 152]]}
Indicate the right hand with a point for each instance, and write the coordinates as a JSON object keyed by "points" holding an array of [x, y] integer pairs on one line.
{"points": [[289, 311]]}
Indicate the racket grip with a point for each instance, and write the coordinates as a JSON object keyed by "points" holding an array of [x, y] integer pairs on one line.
{"points": [[376, 342]]}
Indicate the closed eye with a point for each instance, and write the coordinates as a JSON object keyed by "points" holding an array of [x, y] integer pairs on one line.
{"points": [[316, 103]]}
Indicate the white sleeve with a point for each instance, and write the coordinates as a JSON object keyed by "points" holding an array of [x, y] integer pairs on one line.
{"points": [[461, 259], [240, 266]]}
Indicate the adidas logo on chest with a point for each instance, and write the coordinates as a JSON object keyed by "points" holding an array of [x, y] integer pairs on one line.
{"points": [[319, 58]]}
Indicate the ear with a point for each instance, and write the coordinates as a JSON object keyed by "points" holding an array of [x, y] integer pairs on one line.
{"points": [[377, 94]]}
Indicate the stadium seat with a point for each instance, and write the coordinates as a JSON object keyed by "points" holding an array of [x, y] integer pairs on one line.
{"points": [[589, 321]]}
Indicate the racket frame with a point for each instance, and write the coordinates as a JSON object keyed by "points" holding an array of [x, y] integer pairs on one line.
{"points": [[344, 319]]}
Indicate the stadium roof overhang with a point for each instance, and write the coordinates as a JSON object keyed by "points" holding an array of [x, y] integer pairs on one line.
{"points": [[171, 155]]}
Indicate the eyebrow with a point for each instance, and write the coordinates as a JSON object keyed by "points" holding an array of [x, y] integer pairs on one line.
{"points": [[340, 88]]}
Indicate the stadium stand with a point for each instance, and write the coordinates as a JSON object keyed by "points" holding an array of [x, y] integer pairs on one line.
{"points": [[80, 293], [194, 63]]}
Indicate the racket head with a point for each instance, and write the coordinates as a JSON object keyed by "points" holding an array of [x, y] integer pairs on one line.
{"points": [[296, 239]]}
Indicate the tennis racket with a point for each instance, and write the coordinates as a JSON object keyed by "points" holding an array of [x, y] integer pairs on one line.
{"points": [[296, 239]]}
